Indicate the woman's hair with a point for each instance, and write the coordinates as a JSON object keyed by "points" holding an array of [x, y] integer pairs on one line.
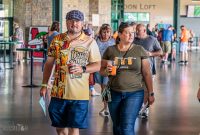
{"points": [[103, 27], [55, 26], [124, 25]]}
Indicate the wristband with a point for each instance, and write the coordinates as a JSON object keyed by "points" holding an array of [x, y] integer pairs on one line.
{"points": [[84, 69], [44, 85], [151, 94]]}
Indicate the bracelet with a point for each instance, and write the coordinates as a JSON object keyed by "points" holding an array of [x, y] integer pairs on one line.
{"points": [[44, 85]]}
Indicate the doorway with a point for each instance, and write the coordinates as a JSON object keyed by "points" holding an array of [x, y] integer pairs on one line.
{"points": [[57, 12]]}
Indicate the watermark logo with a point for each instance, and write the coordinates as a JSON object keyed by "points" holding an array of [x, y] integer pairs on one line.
{"points": [[14, 127]]}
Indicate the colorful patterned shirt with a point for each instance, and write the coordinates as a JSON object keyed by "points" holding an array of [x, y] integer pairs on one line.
{"points": [[82, 51]]}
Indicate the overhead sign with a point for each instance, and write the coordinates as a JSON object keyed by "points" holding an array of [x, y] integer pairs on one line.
{"points": [[140, 6]]}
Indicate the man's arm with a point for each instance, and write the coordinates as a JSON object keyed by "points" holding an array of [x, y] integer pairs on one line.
{"points": [[93, 67], [157, 50], [46, 74], [90, 68], [156, 53], [146, 73], [47, 69]]}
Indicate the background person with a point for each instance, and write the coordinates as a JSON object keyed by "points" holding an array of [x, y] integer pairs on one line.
{"points": [[166, 44], [184, 45], [148, 30], [75, 55], [152, 46], [127, 91], [54, 30], [88, 31], [19, 37], [191, 39], [104, 40]]}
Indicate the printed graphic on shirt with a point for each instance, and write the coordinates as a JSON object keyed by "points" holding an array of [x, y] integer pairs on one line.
{"points": [[124, 63], [79, 55]]}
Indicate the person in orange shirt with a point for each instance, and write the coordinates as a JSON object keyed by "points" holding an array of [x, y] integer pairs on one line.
{"points": [[115, 35], [184, 45]]}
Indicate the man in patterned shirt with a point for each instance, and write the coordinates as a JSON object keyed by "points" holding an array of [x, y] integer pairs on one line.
{"points": [[75, 55]]}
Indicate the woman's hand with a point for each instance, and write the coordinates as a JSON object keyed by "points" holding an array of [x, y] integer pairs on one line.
{"points": [[109, 67]]}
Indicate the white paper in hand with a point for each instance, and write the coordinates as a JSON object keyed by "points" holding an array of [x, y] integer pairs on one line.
{"points": [[43, 105]]}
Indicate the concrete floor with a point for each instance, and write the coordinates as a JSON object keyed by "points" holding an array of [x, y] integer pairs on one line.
{"points": [[176, 110]]}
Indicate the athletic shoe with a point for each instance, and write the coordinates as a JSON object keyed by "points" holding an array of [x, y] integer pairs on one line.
{"points": [[186, 62], [181, 62], [94, 92], [104, 113]]}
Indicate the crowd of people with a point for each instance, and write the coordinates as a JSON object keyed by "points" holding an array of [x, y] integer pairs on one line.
{"points": [[124, 61]]}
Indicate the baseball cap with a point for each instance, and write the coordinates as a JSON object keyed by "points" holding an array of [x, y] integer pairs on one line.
{"points": [[75, 14]]}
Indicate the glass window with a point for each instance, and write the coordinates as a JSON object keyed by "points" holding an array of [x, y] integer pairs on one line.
{"points": [[197, 11], [6, 8], [130, 17], [139, 17], [6, 19], [143, 17]]}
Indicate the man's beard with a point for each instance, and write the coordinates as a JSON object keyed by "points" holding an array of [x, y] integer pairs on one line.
{"points": [[73, 32]]}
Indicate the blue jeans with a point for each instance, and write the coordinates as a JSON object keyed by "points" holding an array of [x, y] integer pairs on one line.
{"points": [[124, 109]]}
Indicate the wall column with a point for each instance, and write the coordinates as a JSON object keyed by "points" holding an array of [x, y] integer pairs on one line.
{"points": [[177, 16]]}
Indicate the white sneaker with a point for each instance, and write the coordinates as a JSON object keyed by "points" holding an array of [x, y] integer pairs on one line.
{"points": [[94, 92], [104, 113]]}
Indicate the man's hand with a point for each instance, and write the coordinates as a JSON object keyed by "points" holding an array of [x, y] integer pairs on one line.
{"points": [[150, 54], [151, 100], [43, 91], [76, 69]]}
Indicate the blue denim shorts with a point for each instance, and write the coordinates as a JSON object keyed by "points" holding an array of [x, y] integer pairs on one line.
{"points": [[100, 79], [68, 113]]}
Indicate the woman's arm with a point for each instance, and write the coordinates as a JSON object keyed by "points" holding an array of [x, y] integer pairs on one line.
{"points": [[106, 67], [103, 69], [148, 79], [198, 93]]}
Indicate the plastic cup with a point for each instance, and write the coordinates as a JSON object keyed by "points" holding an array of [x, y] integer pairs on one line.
{"points": [[114, 70]]}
